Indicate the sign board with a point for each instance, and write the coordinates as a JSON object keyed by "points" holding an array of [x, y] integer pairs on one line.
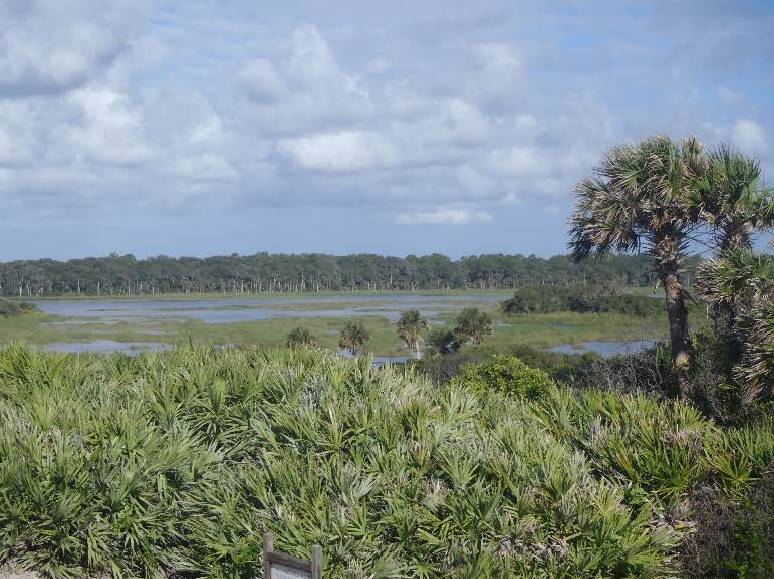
{"points": [[279, 565]]}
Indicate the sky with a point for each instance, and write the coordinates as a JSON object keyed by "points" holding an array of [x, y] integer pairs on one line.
{"points": [[213, 127]]}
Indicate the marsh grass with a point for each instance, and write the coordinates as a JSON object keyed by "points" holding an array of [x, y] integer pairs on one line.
{"points": [[172, 463], [538, 331]]}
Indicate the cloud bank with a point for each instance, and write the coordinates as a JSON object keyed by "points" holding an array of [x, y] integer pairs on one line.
{"points": [[468, 113]]}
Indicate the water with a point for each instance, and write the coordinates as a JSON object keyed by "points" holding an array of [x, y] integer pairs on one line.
{"points": [[605, 349], [227, 310], [148, 313], [104, 347]]}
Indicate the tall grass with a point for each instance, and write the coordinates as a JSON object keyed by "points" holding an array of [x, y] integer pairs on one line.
{"points": [[172, 463]]}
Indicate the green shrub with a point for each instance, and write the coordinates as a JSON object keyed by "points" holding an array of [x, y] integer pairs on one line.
{"points": [[10, 308], [173, 463], [506, 374]]}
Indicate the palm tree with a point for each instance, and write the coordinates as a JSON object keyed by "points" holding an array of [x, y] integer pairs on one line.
{"points": [[353, 337], [443, 341], [639, 196], [744, 282], [411, 326], [473, 326], [300, 337], [732, 201]]}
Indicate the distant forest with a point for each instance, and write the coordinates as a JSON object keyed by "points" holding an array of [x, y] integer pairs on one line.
{"points": [[264, 272]]}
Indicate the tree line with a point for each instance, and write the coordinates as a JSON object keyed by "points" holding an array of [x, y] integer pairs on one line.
{"points": [[265, 272]]}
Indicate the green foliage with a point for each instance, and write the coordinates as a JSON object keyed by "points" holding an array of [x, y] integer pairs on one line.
{"points": [[472, 325], [738, 287], [264, 272], [353, 337], [9, 309], [506, 374], [171, 464], [581, 299], [443, 341], [300, 337], [411, 326]]}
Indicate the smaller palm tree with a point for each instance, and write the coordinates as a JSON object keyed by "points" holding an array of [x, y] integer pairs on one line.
{"points": [[300, 337], [443, 341], [353, 337], [473, 326], [411, 326]]}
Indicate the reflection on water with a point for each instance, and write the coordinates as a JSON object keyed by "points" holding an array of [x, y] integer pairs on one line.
{"points": [[103, 347], [605, 349], [134, 348], [219, 311]]}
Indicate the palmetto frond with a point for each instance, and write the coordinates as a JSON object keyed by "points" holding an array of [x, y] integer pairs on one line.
{"points": [[737, 276], [732, 199], [756, 369], [637, 193], [173, 463]]}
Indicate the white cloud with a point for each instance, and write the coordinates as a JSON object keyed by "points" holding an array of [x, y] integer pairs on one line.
{"points": [[748, 136], [518, 161], [474, 181], [305, 92], [100, 106], [109, 128], [262, 82], [51, 46], [205, 168], [499, 74], [444, 216], [341, 151]]}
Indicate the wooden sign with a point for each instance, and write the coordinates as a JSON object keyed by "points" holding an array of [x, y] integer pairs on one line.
{"points": [[279, 565]]}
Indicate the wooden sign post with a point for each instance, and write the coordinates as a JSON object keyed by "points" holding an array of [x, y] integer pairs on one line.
{"points": [[279, 565]]}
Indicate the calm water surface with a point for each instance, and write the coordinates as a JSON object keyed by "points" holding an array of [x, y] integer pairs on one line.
{"points": [[605, 349], [220, 311]]}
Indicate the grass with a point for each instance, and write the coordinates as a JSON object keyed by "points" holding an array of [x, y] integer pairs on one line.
{"points": [[171, 464], [538, 331]]}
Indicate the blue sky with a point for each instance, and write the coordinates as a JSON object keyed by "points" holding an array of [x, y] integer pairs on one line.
{"points": [[203, 127]]}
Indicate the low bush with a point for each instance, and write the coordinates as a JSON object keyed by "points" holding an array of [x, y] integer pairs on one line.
{"points": [[644, 372], [10, 308], [505, 374]]}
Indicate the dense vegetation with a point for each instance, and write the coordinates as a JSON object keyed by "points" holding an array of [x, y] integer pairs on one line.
{"points": [[531, 299], [263, 272], [10, 308], [173, 463]]}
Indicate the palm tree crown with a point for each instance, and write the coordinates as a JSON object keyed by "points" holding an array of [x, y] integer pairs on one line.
{"points": [[473, 326], [300, 336], [639, 196], [411, 326], [732, 200], [353, 337]]}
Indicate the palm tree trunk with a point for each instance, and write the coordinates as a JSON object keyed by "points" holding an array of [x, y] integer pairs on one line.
{"points": [[679, 337]]}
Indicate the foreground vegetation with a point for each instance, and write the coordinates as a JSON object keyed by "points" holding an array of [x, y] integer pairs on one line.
{"points": [[173, 463]]}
